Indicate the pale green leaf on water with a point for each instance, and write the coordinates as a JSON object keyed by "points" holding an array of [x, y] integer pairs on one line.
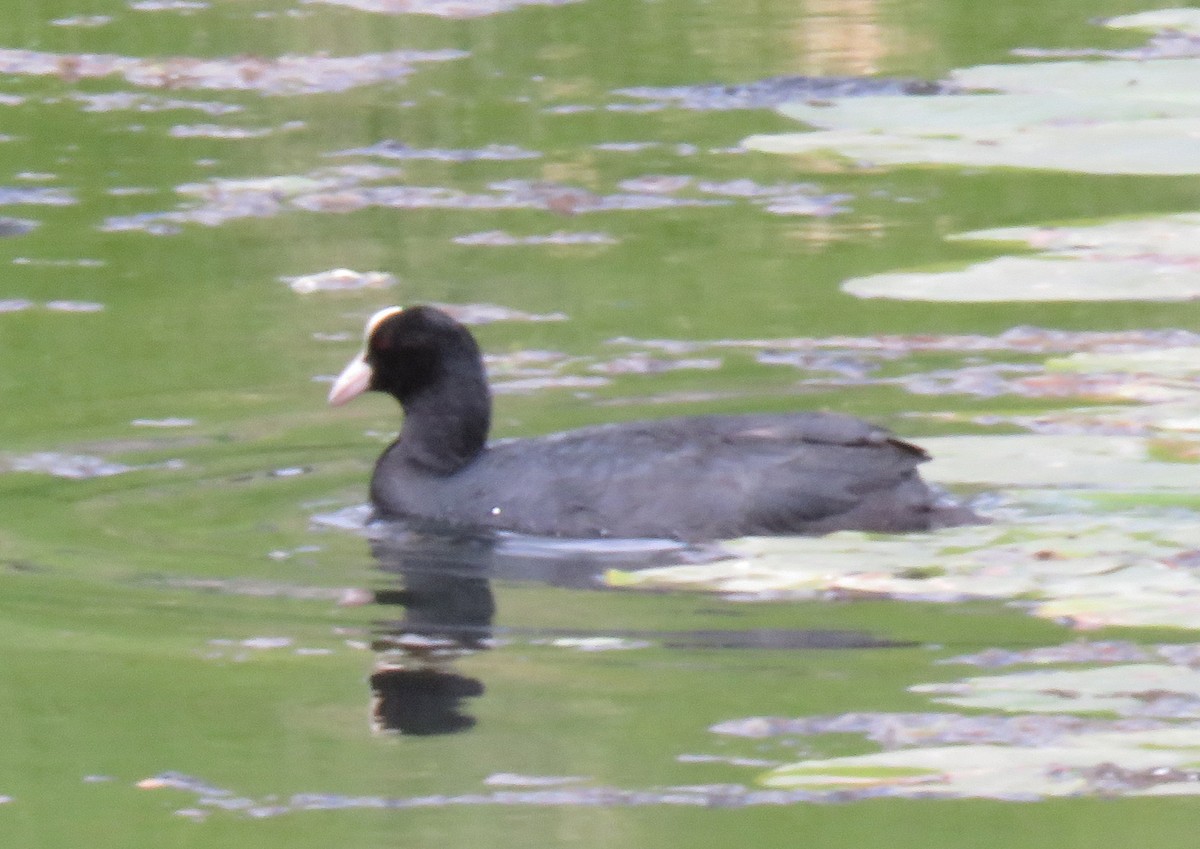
{"points": [[1162, 362], [1169, 81], [846, 772], [1147, 259], [1174, 237], [1149, 147], [1120, 689], [1081, 567], [1060, 461], [1153, 761], [1099, 117], [1015, 278], [1186, 21]]}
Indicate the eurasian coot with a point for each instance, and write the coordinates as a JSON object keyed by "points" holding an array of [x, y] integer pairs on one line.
{"points": [[694, 478]]}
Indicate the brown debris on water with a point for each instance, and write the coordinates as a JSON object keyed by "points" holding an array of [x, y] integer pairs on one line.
{"points": [[290, 74]]}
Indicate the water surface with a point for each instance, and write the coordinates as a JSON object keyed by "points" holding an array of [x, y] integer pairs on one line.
{"points": [[203, 201]]}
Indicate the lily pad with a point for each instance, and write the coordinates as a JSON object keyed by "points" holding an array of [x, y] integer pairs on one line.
{"points": [[1111, 463], [1146, 762], [1106, 117], [1161, 362], [1175, 20], [1127, 260], [1087, 571], [1130, 689], [1011, 278]]}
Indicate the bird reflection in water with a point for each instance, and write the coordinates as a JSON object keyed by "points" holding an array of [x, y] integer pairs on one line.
{"points": [[440, 578]]}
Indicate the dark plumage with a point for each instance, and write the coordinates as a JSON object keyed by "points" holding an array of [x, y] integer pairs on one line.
{"points": [[694, 478]]}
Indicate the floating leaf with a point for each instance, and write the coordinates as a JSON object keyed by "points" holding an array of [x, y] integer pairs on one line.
{"points": [[1012, 278], [1175, 20], [1104, 117]]}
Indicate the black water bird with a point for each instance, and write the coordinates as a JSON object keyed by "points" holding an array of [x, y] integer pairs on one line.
{"points": [[690, 478]]}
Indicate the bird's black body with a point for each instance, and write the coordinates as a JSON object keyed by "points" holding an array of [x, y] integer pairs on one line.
{"points": [[693, 478]]}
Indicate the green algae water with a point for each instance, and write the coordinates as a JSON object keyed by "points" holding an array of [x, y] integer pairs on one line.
{"points": [[643, 208]]}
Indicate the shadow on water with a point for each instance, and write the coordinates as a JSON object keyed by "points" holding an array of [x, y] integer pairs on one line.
{"points": [[442, 578]]}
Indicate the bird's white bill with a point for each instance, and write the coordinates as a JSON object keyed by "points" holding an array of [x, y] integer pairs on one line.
{"points": [[352, 382]]}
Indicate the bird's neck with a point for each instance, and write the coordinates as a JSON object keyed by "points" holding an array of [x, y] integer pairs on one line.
{"points": [[446, 425]]}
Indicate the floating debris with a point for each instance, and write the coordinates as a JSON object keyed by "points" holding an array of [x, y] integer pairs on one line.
{"points": [[1023, 339], [76, 466], [905, 730], [645, 364], [340, 280], [759, 763], [596, 644], [1080, 651], [17, 226], [455, 9], [500, 238], [168, 5], [59, 263], [179, 781], [216, 131], [19, 304], [667, 184], [622, 147], [780, 199], [82, 21], [773, 91], [74, 306], [509, 779], [284, 75], [287, 554], [117, 101], [390, 149], [266, 643], [349, 188], [12, 195]]}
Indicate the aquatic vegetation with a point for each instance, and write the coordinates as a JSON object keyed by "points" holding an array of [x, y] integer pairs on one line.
{"points": [[1128, 115], [771, 92], [1088, 571], [1151, 259], [184, 524]]}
